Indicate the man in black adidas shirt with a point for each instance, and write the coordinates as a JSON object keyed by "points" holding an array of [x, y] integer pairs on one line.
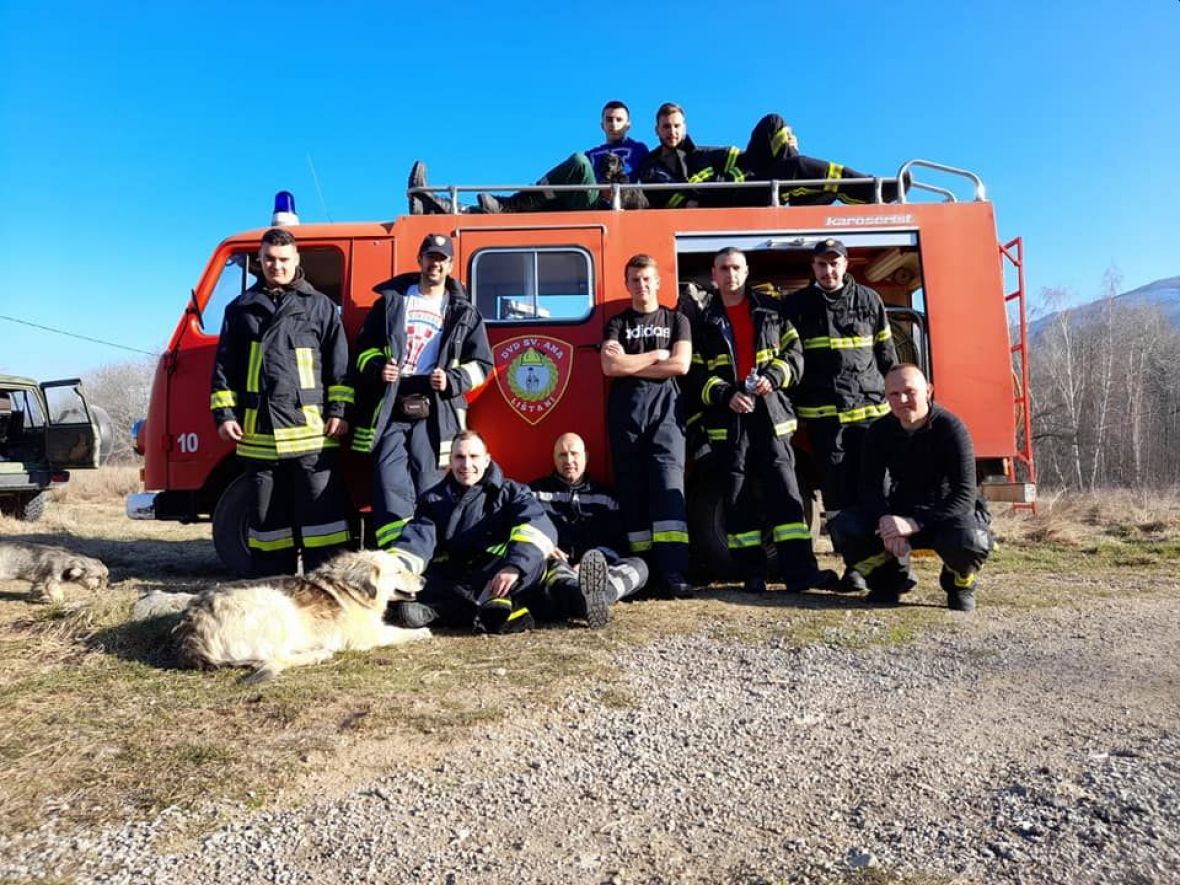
{"points": [[917, 490], [646, 348]]}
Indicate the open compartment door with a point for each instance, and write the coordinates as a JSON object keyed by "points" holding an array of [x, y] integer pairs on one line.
{"points": [[71, 436]]}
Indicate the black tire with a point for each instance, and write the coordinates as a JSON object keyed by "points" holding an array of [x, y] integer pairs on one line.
{"points": [[28, 507], [230, 519]]}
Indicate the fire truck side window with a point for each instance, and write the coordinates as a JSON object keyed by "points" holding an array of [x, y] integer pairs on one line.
{"points": [[322, 265], [533, 285]]}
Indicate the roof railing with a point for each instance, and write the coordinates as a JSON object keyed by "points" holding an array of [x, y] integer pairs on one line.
{"points": [[774, 186]]}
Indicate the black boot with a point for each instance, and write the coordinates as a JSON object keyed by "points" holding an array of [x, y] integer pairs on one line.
{"points": [[525, 201], [424, 204]]}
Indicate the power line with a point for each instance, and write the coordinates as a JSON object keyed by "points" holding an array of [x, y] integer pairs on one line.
{"points": [[75, 335]]}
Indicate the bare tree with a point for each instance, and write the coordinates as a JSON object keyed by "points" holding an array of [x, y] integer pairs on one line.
{"points": [[123, 390]]}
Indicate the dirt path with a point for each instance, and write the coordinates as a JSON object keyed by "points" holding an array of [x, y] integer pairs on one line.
{"points": [[1021, 746]]}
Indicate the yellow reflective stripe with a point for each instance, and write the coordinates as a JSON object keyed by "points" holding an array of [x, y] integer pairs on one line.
{"points": [[780, 140], [326, 540], [223, 399], [785, 427], [867, 566], [694, 418], [718, 433], [835, 170], [697, 358], [526, 534], [792, 531], [367, 356], [838, 343], [474, 372], [519, 613], [731, 167], [278, 539], [639, 541], [763, 356], [704, 175], [743, 540], [884, 335], [967, 580], [675, 200], [389, 532], [412, 561], [253, 367], [816, 411], [864, 413], [713, 382], [305, 363], [785, 368], [669, 537], [341, 393], [249, 422], [788, 336], [721, 360]]}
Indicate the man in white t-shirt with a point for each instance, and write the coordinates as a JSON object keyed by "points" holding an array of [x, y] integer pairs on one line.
{"points": [[422, 347]]}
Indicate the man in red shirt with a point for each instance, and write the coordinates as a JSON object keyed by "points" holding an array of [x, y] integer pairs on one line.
{"points": [[746, 356]]}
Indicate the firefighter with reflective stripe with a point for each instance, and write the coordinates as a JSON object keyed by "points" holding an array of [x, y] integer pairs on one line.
{"points": [[646, 348], [480, 541], [847, 349], [917, 488], [747, 355], [679, 159], [421, 348], [279, 392], [589, 525]]}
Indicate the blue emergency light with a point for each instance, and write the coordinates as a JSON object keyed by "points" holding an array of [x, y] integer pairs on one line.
{"points": [[284, 214]]}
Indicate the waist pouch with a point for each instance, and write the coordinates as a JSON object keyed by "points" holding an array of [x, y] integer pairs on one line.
{"points": [[412, 406]]}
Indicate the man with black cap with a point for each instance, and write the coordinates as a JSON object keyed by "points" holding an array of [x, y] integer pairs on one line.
{"points": [[847, 349], [421, 348]]}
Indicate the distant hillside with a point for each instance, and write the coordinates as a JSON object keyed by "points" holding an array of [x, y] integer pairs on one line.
{"points": [[1164, 295]]}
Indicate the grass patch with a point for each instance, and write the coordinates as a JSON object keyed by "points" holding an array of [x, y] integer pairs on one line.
{"points": [[98, 726]]}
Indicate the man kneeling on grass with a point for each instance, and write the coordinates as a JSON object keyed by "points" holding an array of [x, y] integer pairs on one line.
{"points": [[481, 542], [917, 490]]}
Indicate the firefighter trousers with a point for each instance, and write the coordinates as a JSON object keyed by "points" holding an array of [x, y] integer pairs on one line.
{"points": [[962, 543], [458, 603], [647, 448], [836, 450], [754, 458], [558, 597], [405, 464], [300, 504]]}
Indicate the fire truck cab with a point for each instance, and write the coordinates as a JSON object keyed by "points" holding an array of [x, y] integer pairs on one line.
{"points": [[547, 282]]}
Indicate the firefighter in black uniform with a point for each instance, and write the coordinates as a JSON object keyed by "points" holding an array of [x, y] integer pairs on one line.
{"points": [[847, 349], [747, 355], [917, 488], [587, 568], [771, 154], [422, 347], [646, 349], [279, 392], [480, 541]]}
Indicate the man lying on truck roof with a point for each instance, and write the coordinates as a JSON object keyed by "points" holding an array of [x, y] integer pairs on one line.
{"points": [[771, 154]]}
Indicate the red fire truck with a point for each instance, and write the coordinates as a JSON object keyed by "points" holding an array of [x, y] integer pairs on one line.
{"points": [[546, 283]]}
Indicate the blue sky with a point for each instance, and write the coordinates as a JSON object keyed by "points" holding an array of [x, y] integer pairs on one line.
{"points": [[134, 137]]}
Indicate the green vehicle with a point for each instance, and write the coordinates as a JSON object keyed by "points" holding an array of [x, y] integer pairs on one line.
{"points": [[45, 429]]}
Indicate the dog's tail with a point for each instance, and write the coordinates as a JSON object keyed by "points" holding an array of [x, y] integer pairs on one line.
{"points": [[159, 604]]}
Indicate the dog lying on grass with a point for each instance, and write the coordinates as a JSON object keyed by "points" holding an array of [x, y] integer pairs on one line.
{"points": [[48, 568], [275, 623]]}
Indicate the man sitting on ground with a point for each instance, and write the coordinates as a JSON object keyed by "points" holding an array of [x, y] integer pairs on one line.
{"points": [[589, 535], [917, 490], [480, 541]]}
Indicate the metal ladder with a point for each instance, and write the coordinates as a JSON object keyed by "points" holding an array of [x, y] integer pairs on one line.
{"points": [[1013, 253]]}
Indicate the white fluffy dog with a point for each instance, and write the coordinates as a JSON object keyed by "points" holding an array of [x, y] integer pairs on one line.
{"points": [[276, 623], [47, 568]]}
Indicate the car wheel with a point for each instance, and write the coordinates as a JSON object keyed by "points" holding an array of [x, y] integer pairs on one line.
{"points": [[26, 507], [230, 519]]}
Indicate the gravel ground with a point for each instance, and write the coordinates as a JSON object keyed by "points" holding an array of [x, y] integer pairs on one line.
{"points": [[1036, 746]]}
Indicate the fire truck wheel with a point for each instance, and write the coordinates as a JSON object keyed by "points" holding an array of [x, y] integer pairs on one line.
{"points": [[27, 508], [229, 526]]}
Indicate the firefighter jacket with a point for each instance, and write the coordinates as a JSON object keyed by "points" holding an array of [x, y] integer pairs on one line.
{"points": [[465, 533], [692, 165], [848, 348], [778, 357], [281, 370], [586, 515], [465, 355]]}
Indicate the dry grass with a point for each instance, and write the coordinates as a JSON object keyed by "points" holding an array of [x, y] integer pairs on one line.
{"points": [[98, 726]]}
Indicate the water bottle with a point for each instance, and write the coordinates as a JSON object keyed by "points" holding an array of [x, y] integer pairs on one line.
{"points": [[751, 381]]}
